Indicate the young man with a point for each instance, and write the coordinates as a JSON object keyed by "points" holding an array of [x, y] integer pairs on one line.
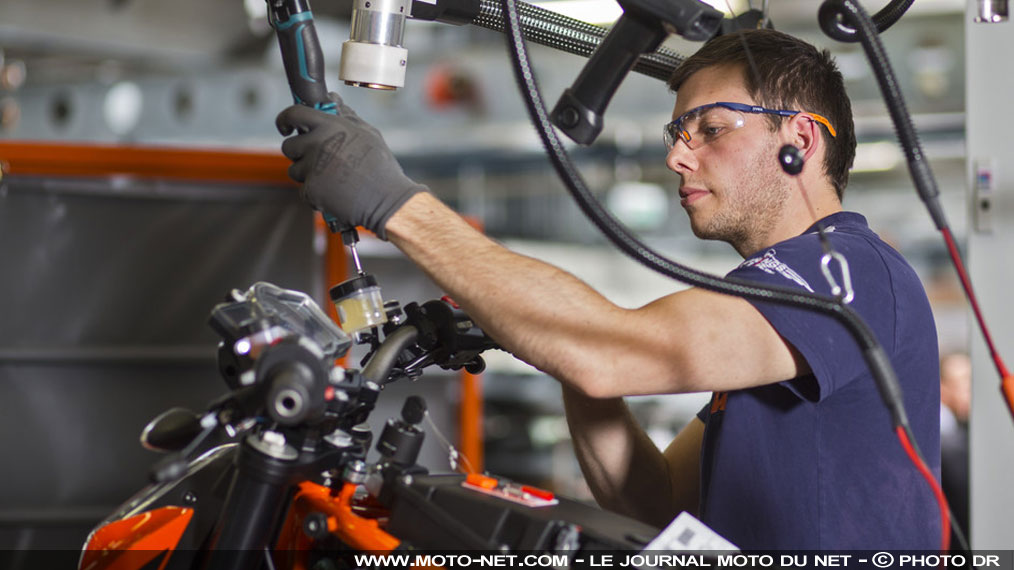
{"points": [[796, 449]]}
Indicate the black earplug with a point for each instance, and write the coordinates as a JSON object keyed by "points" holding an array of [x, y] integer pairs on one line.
{"points": [[791, 160]]}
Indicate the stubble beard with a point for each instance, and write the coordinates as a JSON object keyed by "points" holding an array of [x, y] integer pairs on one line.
{"points": [[751, 207]]}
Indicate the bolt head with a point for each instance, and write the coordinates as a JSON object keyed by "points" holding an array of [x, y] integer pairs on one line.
{"points": [[569, 117], [273, 438]]}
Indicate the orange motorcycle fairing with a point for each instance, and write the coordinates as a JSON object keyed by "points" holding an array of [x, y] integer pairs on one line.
{"points": [[130, 543], [357, 532]]}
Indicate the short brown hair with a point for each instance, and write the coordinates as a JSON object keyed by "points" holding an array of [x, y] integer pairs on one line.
{"points": [[784, 72]]}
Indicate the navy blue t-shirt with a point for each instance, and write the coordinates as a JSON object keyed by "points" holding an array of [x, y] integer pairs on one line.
{"points": [[813, 462]]}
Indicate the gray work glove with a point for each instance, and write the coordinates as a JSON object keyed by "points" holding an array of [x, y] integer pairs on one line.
{"points": [[345, 166]]}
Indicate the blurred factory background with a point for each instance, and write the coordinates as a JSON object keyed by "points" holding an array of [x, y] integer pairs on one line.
{"points": [[107, 282]]}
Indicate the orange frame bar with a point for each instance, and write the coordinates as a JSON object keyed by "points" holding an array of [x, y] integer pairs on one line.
{"points": [[33, 158], [89, 160], [470, 418], [471, 421]]}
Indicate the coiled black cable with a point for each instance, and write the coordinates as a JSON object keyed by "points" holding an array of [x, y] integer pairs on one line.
{"points": [[570, 35], [874, 354], [840, 30], [849, 12]]}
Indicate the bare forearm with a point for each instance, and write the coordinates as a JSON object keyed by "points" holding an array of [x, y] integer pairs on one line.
{"points": [[625, 470], [538, 312]]}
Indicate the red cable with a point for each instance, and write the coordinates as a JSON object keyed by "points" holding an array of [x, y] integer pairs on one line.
{"points": [[945, 515], [1006, 380]]}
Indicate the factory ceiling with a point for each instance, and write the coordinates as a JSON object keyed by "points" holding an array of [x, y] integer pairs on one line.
{"points": [[65, 38]]}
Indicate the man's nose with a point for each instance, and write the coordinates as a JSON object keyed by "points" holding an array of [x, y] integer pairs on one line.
{"points": [[681, 159]]}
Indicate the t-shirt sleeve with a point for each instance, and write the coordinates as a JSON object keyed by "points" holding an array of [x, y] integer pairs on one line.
{"points": [[825, 344], [704, 412]]}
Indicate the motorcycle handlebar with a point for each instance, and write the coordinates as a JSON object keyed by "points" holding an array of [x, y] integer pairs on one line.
{"points": [[378, 369]]}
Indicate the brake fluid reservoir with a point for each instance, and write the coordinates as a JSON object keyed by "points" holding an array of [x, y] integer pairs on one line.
{"points": [[359, 303]]}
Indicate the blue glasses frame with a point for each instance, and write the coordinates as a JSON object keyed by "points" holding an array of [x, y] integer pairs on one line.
{"points": [[674, 130]]}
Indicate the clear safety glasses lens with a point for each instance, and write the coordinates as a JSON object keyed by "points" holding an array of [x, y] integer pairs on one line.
{"points": [[702, 126]]}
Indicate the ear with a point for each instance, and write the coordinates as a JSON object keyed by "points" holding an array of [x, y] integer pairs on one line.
{"points": [[804, 133]]}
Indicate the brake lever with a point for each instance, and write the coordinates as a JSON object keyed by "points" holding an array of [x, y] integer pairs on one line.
{"points": [[422, 361]]}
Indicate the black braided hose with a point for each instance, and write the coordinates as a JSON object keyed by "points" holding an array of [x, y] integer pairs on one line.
{"points": [[874, 354]]}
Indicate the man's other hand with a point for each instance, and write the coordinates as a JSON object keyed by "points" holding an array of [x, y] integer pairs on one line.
{"points": [[345, 166]]}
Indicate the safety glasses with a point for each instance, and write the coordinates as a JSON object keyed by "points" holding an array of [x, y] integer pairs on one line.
{"points": [[702, 125]]}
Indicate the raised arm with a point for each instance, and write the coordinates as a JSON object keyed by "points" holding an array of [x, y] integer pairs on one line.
{"points": [[625, 470], [689, 341], [693, 340]]}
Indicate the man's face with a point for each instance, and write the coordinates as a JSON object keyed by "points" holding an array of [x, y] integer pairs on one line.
{"points": [[732, 187]]}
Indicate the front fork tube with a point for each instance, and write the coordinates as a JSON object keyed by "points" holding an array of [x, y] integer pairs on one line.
{"points": [[253, 508]]}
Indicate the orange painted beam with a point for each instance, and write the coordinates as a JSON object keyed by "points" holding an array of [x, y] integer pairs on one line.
{"points": [[471, 421], [32, 158], [90, 160], [471, 439]]}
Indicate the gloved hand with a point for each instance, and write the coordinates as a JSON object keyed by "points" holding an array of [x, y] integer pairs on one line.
{"points": [[345, 166]]}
